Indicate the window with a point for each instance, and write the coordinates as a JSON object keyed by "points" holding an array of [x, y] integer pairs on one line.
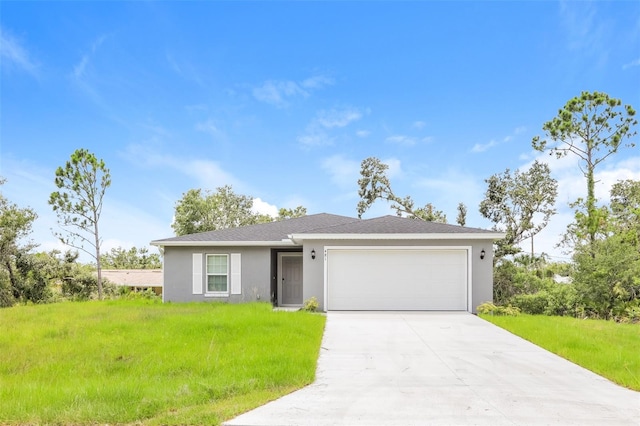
{"points": [[218, 273]]}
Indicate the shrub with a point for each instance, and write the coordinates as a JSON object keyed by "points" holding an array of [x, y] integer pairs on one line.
{"points": [[310, 305], [491, 309], [534, 304]]}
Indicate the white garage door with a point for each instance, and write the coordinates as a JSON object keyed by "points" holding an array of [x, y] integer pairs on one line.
{"points": [[397, 279]]}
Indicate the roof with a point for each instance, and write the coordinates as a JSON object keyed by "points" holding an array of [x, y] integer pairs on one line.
{"points": [[328, 226], [134, 277]]}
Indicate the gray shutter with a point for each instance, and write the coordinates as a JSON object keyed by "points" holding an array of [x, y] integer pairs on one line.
{"points": [[236, 273], [197, 273]]}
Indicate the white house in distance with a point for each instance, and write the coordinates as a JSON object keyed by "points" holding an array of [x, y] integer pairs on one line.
{"points": [[384, 263]]}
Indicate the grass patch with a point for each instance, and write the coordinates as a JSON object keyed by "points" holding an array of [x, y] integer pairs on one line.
{"points": [[150, 363], [607, 348]]}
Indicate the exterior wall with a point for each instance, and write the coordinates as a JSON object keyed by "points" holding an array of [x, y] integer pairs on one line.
{"points": [[255, 273], [481, 269]]}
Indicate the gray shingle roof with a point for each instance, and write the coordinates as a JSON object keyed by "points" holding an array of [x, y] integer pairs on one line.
{"points": [[272, 231], [397, 225], [322, 223]]}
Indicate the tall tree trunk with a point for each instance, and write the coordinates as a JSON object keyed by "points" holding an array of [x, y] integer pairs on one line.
{"points": [[532, 248], [592, 217], [12, 280], [98, 265]]}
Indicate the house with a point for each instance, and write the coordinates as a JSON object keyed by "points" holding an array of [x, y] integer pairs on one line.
{"points": [[135, 279], [384, 263]]}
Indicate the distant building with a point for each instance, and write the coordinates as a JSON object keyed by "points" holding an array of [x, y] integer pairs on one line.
{"points": [[135, 279]]}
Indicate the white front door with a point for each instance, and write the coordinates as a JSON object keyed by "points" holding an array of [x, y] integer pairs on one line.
{"points": [[290, 279]]}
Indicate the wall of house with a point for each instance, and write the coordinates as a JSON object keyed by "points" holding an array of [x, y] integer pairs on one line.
{"points": [[481, 269], [255, 273]]}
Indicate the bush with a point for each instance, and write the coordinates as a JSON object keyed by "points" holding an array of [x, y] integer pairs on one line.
{"points": [[534, 304], [310, 305], [491, 309], [6, 297]]}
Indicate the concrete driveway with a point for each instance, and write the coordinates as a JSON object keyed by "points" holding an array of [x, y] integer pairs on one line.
{"points": [[447, 368]]}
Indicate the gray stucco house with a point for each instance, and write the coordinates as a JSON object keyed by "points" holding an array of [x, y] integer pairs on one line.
{"points": [[384, 263]]}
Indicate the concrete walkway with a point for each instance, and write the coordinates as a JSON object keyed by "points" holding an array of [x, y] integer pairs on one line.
{"points": [[442, 369]]}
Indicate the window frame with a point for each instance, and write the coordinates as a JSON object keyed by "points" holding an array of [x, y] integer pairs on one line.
{"points": [[211, 274]]}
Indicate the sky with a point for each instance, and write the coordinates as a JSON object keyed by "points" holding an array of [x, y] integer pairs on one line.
{"points": [[283, 101]]}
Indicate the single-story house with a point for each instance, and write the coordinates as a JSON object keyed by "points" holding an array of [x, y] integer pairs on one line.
{"points": [[135, 279], [384, 263]]}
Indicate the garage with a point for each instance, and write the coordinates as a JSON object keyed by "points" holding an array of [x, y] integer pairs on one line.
{"points": [[397, 279]]}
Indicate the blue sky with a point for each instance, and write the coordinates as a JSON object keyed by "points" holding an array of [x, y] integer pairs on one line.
{"points": [[283, 100]]}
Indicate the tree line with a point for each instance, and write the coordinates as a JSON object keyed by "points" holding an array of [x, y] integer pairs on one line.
{"points": [[603, 240]]}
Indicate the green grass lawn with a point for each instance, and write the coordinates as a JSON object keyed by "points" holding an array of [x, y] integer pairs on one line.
{"points": [[150, 363], [609, 349]]}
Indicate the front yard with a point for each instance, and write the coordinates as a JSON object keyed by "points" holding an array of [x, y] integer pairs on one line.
{"points": [[150, 363], [609, 349]]}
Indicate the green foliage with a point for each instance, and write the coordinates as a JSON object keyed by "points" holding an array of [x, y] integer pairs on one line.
{"points": [[461, 219], [144, 362], [310, 305], [134, 258], [488, 308], [81, 184], [123, 292], [15, 226], [555, 299], [514, 202], [202, 211], [604, 347], [592, 127], [375, 185], [608, 281], [291, 213]]}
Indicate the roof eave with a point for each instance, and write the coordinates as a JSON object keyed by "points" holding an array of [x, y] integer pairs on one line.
{"points": [[299, 238], [281, 243]]}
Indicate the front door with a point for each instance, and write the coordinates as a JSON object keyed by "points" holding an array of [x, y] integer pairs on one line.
{"points": [[290, 279]]}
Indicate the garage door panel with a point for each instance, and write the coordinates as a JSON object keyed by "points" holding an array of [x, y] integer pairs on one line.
{"points": [[397, 279]]}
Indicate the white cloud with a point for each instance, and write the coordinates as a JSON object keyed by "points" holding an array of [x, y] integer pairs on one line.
{"points": [[338, 117], [402, 140], [395, 168], [315, 138], [327, 120], [80, 69], [262, 207], [407, 140], [209, 127], [342, 171], [585, 31], [363, 133], [208, 174], [13, 53], [479, 147], [419, 124], [317, 82], [279, 92], [631, 64], [482, 147]]}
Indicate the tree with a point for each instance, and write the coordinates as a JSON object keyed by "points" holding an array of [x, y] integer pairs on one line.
{"points": [[514, 203], [202, 211], [78, 203], [462, 214], [15, 225], [592, 127], [291, 213], [375, 185], [134, 258], [607, 271], [625, 205]]}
